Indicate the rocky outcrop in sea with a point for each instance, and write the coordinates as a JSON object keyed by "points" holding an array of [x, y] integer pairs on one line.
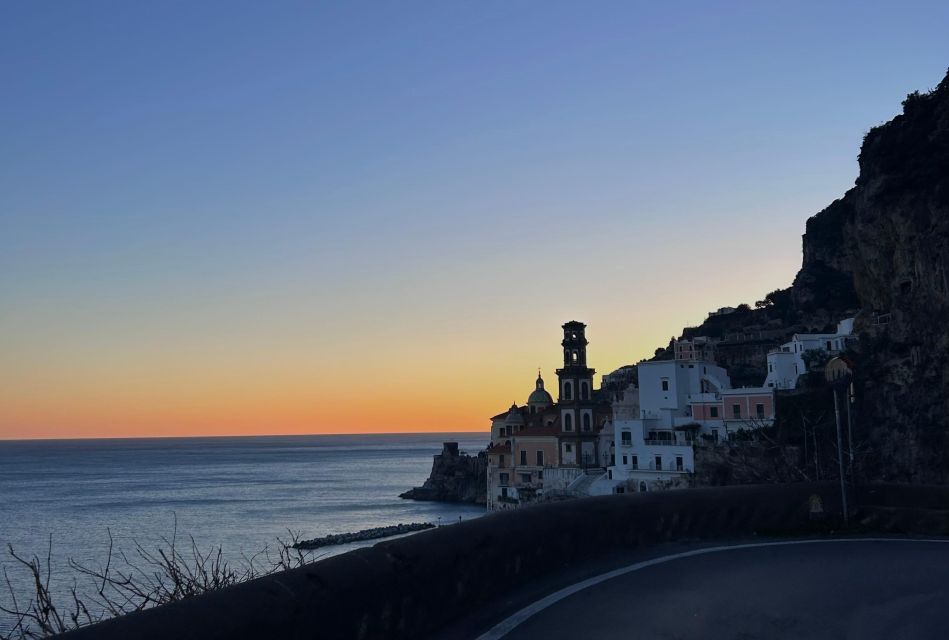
{"points": [[455, 477]]}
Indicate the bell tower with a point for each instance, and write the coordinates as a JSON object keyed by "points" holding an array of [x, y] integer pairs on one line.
{"points": [[576, 379], [576, 398]]}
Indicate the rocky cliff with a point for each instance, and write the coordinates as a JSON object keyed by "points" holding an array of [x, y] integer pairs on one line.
{"points": [[884, 247], [880, 252], [455, 477]]}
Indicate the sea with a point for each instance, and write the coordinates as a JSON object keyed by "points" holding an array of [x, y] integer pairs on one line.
{"points": [[237, 493]]}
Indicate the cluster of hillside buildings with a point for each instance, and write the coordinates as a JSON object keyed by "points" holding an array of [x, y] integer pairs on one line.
{"points": [[627, 436]]}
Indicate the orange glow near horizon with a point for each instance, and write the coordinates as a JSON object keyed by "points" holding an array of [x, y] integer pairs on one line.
{"points": [[449, 374]]}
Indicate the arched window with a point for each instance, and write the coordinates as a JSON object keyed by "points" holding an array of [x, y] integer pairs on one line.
{"points": [[586, 422], [574, 358], [567, 390], [584, 390], [568, 422]]}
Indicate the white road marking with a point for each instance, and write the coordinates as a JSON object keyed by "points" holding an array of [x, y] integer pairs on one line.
{"points": [[505, 626]]}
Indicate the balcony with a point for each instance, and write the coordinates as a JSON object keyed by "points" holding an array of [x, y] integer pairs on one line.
{"points": [[668, 443], [671, 467]]}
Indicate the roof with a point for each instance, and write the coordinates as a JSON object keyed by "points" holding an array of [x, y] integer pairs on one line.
{"points": [[539, 431], [499, 448]]}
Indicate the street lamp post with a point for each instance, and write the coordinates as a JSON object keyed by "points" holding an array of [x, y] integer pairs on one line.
{"points": [[839, 374], [849, 427]]}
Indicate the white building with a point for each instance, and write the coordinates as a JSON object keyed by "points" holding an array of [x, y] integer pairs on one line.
{"points": [[786, 363], [679, 401]]}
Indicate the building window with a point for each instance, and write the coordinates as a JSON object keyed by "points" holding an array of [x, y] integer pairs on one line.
{"points": [[587, 423], [626, 438], [567, 390], [574, 358], [665, 384], [504, 479], [526, 478], [759, 410], [540, 458], [736, 410], [625, 460], [658, 463], [568, 422], [678, 463], [642, 487], [770, 368], [501, 461], [503, 492], [584, 390], [828, 346], [713, 411], [609, 474], [715, 435], [635, 462], [568, 447], [523, 456]]}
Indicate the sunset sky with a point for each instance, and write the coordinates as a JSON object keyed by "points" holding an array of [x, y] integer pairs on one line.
{"points": [[256, 217]]}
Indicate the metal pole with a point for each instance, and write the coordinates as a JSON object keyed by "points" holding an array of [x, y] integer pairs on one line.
{"points": [[849, 428], [840, 460]]}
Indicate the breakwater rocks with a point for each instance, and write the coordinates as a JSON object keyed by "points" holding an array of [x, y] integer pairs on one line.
{"points": [[455, 477], [365, 534]]}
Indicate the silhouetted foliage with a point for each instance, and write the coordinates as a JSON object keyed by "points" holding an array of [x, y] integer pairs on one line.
{"points": [[128, 582]]}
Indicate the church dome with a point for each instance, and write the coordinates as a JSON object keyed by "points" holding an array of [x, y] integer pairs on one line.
{"points": [[514, 416], [539, 398]]}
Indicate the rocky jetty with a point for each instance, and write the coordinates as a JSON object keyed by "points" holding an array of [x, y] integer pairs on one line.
{"points": [[455, 477], [365, 534]]}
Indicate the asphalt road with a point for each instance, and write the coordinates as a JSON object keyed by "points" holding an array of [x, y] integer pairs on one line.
{"points": [[866, 590]]}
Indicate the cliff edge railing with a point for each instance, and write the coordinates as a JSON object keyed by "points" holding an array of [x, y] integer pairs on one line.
{"points": [[413, 586]]}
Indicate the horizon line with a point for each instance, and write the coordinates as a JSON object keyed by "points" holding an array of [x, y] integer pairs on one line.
{"points": [[244, 435]]}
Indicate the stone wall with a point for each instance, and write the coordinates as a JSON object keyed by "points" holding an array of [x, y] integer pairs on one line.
{"points": [[412, 586]]}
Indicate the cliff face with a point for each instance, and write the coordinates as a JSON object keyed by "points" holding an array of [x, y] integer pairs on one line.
{"points": [[880, 252], [884, 248], [455, 477]]}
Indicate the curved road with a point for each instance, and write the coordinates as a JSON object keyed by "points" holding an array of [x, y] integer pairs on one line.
{"points": [[862, 589]]}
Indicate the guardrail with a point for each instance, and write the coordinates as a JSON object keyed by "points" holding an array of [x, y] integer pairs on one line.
{"points": [[411, 587]]}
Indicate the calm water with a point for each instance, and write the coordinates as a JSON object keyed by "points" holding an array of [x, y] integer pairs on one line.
{"points": [[239, 493]]}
